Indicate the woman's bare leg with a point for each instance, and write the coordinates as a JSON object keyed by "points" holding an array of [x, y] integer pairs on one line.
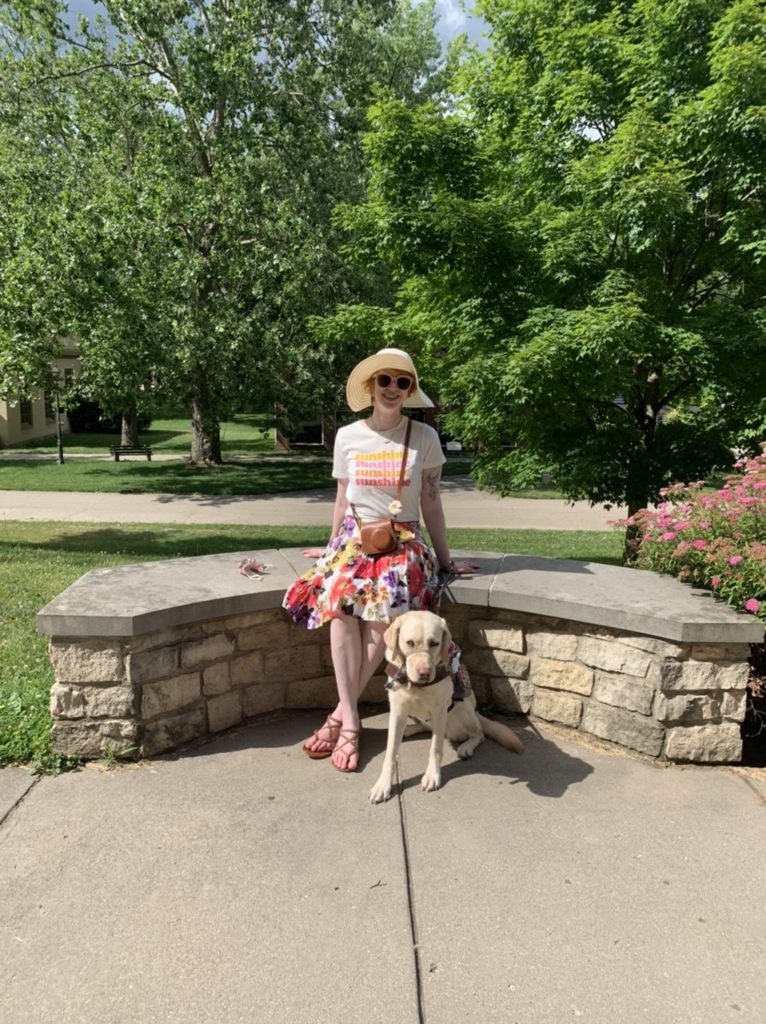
{"points": [[355, 656]]}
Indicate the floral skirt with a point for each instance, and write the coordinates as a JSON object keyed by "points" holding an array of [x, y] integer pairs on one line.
{"points": [[373, 589]]}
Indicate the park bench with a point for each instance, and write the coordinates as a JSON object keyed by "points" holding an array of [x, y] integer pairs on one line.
{"points": [[116, 450], [153, 656]]}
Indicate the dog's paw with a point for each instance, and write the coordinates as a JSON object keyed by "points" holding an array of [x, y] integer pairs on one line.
{"points": [[464, 751], [380, 791], [430, 781]]}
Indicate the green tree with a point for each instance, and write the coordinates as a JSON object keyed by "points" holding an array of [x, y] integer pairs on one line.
{"points": [[579, 243], [212, 141]]}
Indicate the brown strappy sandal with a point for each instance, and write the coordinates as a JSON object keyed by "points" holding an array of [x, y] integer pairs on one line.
{"points": [[346, 738], [331, 725]]}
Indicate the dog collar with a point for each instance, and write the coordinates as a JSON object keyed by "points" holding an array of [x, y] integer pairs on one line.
{"points": [[401, 677]]}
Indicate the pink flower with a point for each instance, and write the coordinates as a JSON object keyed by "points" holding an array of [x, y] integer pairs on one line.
{"points": [[716, 581], [735, 559], [668, 536], [751, 605], [699, 545]]}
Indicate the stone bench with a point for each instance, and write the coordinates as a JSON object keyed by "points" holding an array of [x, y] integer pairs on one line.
{"points": [[153, 656]]}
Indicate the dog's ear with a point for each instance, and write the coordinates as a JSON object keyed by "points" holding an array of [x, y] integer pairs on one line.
{"points": [[391, 640], [446, 641]]}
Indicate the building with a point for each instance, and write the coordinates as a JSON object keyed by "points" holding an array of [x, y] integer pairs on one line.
{"points": [[30, 419]]}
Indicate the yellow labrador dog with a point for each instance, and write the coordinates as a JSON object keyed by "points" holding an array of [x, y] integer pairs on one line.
{"points": [[417, 645]]}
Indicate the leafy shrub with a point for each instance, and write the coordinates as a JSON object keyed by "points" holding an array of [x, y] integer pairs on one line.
{"points": [[712, 540]]}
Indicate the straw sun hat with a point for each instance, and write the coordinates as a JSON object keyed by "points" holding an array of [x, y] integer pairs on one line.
{"points": [[357, 395]]}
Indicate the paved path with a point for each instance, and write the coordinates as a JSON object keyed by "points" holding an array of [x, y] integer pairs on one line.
{"points": [[464, 506], [241, 882]]}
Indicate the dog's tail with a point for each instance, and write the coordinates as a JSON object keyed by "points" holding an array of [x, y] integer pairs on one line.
{"points": [[501, 734]]}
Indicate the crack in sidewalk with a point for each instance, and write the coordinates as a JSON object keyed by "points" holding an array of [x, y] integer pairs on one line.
{"points": [[20, 800], [410, 898]]}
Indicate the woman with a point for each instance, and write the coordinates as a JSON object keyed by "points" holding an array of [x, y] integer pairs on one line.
{"points": [[345, 586]]}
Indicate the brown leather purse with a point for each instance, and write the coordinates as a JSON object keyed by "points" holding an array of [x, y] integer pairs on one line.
{"points": [[379, 536]]}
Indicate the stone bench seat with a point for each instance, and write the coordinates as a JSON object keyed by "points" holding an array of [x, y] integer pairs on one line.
{"points": [[151, 656]]}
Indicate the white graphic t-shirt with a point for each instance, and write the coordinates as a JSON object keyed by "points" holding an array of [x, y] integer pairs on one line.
{"points": [[371, 461]]}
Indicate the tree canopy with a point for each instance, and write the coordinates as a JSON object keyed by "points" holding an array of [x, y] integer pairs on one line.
{"points": [[202, 146], [579, 243]]}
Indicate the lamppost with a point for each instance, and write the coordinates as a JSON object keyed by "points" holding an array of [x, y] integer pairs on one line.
{"points": [[59, 441]]}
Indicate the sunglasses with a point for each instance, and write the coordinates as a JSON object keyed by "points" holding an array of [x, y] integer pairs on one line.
{"points": [[403, 383]]}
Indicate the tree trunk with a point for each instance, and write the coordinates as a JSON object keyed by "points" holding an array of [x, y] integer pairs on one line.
{"points": [[329, 427], [637, 498], [129, 431], [206, 433]]}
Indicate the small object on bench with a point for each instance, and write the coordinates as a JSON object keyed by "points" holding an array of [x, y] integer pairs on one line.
{"points": [[127, 449]]}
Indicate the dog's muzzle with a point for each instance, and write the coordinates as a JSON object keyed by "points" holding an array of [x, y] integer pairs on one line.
{"points": [[401, 678]]}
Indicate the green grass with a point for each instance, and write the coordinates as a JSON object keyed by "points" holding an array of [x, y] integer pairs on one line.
{"points": [[142, 477], [245, 434], [39, 560]]}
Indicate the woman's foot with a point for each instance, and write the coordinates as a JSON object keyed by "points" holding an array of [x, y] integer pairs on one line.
{"points": [[345, 756], [323, 742]]}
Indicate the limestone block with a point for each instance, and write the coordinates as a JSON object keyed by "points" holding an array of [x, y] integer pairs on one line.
{"points": [[170, 694], [162, 638], [234, 623], [497, 663], [173, 731], [687, 708], [557, 707], [514, 695], [67, 701], [87, 662], [613, 656], [560, 646], [701, 675], [225, 711], [210, 649], [264, 696], [734, 705], [482, 687], [720, 652], [148, 666], [621, 691], [216, 679], [110, 701], [662, 648], [269, 635], [709, 744], [375, 691], [312, 693], [485, 633], [325, 657], [561, 675], [623, 727], [247, 669], [93, 739], [291, 663]]}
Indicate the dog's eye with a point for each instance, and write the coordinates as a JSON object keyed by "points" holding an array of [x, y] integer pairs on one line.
{"points": [[433, 643], [410, 643]]}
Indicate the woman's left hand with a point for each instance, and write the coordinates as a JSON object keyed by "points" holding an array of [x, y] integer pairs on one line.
{"points": [[464, 568]]}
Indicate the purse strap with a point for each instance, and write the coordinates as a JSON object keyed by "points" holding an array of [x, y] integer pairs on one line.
{"points": [[402, 468]]}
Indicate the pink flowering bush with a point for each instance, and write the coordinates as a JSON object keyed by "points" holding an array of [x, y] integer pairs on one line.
{"points": [[717, 541]]}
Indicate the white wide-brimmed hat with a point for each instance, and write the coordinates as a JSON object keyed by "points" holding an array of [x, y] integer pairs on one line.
{"points": [[357, 395]]}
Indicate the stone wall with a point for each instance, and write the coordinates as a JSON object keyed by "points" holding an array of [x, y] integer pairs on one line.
{"points": [[673, 701], [152, 693]]}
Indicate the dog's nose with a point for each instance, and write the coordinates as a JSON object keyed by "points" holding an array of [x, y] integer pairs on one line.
{"points": [[424, 672]]}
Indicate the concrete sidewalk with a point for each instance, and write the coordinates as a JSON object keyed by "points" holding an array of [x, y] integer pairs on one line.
{"points": [[464, 506], [241, 882]]}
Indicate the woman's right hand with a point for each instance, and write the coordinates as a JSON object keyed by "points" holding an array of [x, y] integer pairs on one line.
{"points": [[314, 552]]}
